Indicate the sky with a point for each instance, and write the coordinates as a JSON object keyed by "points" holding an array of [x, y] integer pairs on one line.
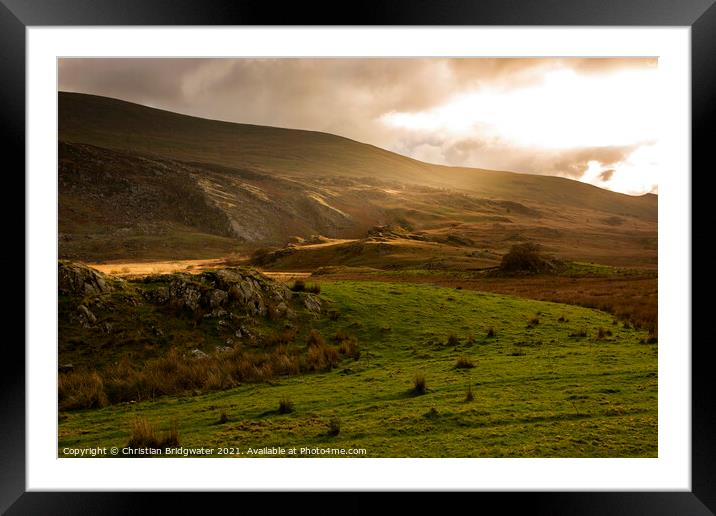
{"points": [[589, 119]]}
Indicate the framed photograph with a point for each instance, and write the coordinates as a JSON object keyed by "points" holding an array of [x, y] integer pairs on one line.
{"points": [[443, 247]]}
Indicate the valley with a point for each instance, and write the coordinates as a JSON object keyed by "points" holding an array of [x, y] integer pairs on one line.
{"points": [[248, 286]]}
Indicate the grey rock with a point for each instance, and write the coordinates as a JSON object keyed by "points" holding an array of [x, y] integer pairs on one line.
{"points": [[217, 298], [184, 293], [198, 354], [312, 303], [74, 279], [283, 311], [159, 296], [85, 317]]}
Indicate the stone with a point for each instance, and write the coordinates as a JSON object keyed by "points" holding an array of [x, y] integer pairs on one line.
{"points": [[312, 303], [85, 317], [75, 279], [198, 354], [183, 292], [217, 298]]}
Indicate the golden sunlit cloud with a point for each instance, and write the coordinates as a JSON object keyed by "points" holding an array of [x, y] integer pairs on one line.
{"points": [[565, 111]]}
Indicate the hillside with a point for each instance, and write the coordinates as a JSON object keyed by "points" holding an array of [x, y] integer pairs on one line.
{"points": [[503, 376], [141, 183]]}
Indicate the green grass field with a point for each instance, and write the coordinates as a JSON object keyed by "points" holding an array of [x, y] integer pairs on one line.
{"points": [[539, 389]]}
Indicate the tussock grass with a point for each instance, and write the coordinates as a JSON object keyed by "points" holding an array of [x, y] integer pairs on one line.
{"points": [[81, 389], [464, 362], [469, 396], [285, 405], [175, 373], [146, 435], [419, 384], [334, 426]]}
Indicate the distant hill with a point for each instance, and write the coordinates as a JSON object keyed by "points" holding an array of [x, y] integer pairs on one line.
{"points": [[142, 183]]}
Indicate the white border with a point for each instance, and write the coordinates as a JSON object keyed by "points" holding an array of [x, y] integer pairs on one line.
{"points": [[671, 471]]}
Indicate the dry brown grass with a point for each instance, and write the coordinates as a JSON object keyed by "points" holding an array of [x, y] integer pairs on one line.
{"points": [[176, 373], [464, 362], [81, 389], [321, 358], [347, 344], [146, 435]]}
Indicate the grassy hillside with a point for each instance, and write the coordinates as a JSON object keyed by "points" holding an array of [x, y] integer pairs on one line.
{"points": [[144, 184], [546, 380], [119, 125], [116, 124]]}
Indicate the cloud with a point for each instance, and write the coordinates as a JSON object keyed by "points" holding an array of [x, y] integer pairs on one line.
{"points": [[606, 175], [493, 153]]}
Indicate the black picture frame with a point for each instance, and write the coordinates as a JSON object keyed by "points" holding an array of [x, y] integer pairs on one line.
{"points": [[17, 15]]}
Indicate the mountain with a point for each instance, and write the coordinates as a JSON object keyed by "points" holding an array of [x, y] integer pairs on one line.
{"points": [[142, 183]]}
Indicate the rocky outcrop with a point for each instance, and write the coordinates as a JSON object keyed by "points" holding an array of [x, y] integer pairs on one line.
{"points": [[215, 292], [223, 295], [75, 279], [184, 293]]}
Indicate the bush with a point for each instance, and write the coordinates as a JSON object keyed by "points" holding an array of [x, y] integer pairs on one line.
{"points": [[223, 418], [315, 288], [285, 406], [261, 256], [528, 258], [533, 322], [491, 332], [419, 384], [453, 340], [464, 363], [579, 333]]}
